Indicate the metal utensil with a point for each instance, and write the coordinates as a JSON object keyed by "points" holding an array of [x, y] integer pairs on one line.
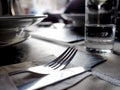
{"points": [[59, 63], [58, 76]]}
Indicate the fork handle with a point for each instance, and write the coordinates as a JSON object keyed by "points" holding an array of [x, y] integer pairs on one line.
{"points": [[18, 72]]}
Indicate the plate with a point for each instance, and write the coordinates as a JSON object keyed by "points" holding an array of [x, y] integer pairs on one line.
{"points": [[20, 21]]}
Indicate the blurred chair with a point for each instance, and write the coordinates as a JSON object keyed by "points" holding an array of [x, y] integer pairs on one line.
{"points": [[51, 18], [75, 6]]}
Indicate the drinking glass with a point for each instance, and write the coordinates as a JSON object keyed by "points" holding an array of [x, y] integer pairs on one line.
{"points": [[118, 24], [100, 25]]}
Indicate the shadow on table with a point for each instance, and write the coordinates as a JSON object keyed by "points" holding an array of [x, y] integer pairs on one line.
{"points": [[11, 55]]}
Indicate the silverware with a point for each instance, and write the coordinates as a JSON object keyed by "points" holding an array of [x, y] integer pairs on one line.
{"points": [[58, 64], [57, 77]]}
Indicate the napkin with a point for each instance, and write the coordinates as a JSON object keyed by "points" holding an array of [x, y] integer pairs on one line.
{"points": [[110, 70], [58, 34], [6, 83], [94, 83], [107, 78]]}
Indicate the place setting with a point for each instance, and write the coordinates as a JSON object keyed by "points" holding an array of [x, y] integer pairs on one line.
{"points": [[56, 59], [36, 77]]}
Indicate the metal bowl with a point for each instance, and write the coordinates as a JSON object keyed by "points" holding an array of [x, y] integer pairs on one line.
{"points": [[20, 21], [12, 37], [12, 28]]}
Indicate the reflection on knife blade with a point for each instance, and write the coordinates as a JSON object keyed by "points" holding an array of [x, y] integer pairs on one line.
{"points": [[53, 78]]}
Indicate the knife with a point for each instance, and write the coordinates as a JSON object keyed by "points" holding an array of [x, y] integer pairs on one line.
{"points": [[58, 76]]}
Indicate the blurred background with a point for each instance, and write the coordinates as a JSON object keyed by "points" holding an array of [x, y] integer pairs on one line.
{"points": [[42, 6]]}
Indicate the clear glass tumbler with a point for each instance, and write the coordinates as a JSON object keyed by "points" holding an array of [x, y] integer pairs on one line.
{"points": [[100, 25]]}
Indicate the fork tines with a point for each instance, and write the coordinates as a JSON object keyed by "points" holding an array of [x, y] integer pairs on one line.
{"points": [[64, 59]]}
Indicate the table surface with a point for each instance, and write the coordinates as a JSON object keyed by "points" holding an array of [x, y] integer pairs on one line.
{"points": [[37, 51]]}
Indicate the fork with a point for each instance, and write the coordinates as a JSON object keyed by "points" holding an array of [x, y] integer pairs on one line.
{"points": [[57, 64]]}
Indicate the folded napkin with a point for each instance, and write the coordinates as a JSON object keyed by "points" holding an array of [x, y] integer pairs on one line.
{"points": [[94, 83], [65, 34], [107, 78]]}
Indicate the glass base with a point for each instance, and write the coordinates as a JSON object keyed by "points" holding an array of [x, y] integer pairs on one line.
{"points": [[94, 50]]}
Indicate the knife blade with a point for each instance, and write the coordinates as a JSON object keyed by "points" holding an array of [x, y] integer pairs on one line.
{"points": [[53, 78], [57, 77]]}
